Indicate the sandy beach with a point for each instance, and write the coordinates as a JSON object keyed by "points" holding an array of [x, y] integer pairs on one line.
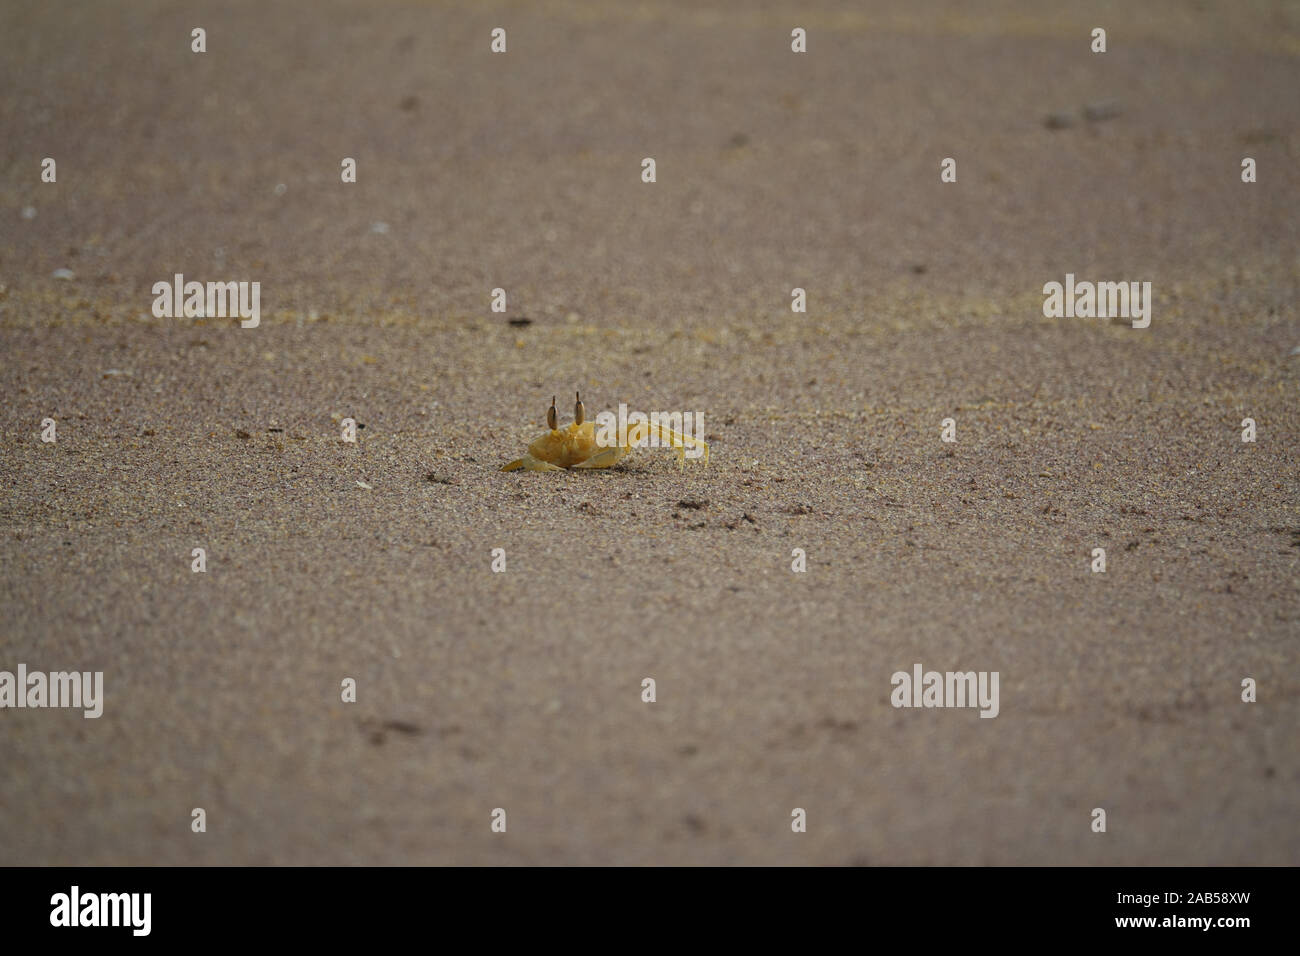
{"points": [[522, 689]]}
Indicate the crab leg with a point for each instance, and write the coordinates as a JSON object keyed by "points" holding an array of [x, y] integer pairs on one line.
{"points": [[604, 458], [530, 463], [676, 439]]}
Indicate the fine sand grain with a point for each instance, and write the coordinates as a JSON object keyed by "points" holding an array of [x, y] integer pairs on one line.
{"points": [[522, 690]]}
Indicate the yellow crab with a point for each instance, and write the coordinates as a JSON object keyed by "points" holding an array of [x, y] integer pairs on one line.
{"points": [[577, 445]]}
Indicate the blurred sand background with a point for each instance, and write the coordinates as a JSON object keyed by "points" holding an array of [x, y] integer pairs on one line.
{"points": [[522, 690]]}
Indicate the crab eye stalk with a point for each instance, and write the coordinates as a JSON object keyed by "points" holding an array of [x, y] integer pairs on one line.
{"points": [[552, 419], [579, 411]]}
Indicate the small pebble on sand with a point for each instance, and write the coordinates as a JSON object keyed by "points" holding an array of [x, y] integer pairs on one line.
{"points": [[1103, 110]]}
